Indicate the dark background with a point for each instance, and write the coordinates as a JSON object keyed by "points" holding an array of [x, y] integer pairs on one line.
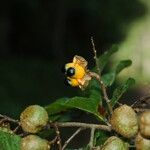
{"points": [[38, 36]]}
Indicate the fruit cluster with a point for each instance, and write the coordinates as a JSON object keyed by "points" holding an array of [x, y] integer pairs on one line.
{"points": [[124, 121], [32, 120], [127, 124]]}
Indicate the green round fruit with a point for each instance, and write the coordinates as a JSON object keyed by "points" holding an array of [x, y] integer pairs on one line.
{"points": [[33, 119], [144, 123], [7, 130], [34, 142], [142, 143], [115, 143], [124, 121]]}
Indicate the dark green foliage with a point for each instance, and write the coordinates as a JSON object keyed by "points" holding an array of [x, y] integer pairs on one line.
{"points": [[88, 105], [120, 90], [103, 59], [110, 77], [100, 137]]}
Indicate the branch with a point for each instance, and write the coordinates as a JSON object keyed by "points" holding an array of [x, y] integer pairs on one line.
{"points": [[103, 87], [140, 100], [141, 109], [82, 125], [53, 141], [95, 57], [5, 118], [92, 138], [58, 136], [73, 135], [16, 129], [98, 77]]}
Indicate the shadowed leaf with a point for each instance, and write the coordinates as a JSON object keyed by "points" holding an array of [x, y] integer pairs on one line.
{"points": [[110, 77], [120, 90], [104, 58], [89, 105]]}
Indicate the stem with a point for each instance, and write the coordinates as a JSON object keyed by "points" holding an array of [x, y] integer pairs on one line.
{"points": [[9, 119], [53, 141], [141, 109], [58, 137], [139, 101], [92, 138], [95, 57], [16, 129], [102, 86], [69, 139], [98, 77], [82, 125]]}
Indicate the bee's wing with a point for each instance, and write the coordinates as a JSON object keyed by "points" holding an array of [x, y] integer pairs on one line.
{"points": [[80, 60], [83, 83]]}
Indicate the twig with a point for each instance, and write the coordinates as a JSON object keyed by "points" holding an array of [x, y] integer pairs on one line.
{"points": [[53, 141], [9, 119], [120, 104], [141, 109], [58, 136], [95, 56], [142, 99], [3, 120], [73, 135], [98, 77], [82, 125], [92, 138], [102, 86], [16, 129]]}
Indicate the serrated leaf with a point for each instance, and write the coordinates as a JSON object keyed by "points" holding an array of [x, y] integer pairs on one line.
{"points": [[104, 58], [9, 141], [89, 105], [110, 77], [120, 90]]}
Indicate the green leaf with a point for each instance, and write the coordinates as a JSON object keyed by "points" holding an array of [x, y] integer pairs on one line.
{"points": [[104, 58], [9, 141], [57, 106], [122, 65], [110, 77], [120, 90], [100, 137], [89, 105]]}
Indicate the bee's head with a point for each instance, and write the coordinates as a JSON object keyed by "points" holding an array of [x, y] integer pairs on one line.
{"points": [[69, 69]]}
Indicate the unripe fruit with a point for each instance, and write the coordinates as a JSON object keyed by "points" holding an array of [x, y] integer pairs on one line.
{"points": [[34, 142], [33, 118], [142, 143], [114, 143], [124, 121], [144, 123], [7, 130]]}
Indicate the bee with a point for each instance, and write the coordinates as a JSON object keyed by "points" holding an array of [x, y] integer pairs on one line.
{"points": [[71, 82], [75, 69], [76, 72]]}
